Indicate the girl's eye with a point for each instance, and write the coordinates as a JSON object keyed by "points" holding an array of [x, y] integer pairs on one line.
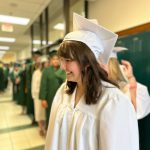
{"points": [[68, 60], [65, 60]]}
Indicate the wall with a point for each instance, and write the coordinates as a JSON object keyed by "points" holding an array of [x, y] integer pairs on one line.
{"points": [[24, 53], [118, 15]]}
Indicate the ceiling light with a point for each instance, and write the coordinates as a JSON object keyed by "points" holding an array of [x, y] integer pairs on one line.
{"points": [[1, 55], [36, 42], [4, 47], [2, 52], [39, 42], [44, 42], [6, 39], [35, 49], [59, 26], [14, 20]]}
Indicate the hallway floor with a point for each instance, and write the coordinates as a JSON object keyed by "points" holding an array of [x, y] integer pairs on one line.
{"points": [[16, 131]]}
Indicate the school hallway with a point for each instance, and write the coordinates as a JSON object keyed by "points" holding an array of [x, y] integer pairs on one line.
{"points": [[16, 131]]}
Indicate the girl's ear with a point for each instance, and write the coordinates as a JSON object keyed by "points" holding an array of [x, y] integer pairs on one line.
{"points": [[86, 68]]}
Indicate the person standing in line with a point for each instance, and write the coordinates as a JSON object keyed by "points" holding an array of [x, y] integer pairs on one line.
{"points": [[6, 75], [123, 75], [89, 112], [1, 77], [29, 72], [13, 76], [52, 78], [39, 111]]}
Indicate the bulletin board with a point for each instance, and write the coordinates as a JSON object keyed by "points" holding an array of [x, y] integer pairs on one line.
{"points": [[138, 54]]}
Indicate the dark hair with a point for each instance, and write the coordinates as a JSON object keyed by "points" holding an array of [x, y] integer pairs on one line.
{"points": [[91, 72]]}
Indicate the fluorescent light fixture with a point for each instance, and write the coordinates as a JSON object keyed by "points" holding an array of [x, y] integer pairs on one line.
{"points": [[35, 49], [1, 55], [14, 20], [6, 39], [44, 42], [36, 42], [39, 42], [4, 47], [2, 52], [59, 26]]}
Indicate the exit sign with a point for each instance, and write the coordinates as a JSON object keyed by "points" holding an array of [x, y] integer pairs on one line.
{"points": [[7, 27]]}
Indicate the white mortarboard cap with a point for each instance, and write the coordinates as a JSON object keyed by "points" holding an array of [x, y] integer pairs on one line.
{"points": [[116, 50], [92, 20], [100, 40]]}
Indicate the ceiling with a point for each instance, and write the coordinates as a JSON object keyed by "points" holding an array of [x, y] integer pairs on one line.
{"points": [[20, 8], [31, 9]]}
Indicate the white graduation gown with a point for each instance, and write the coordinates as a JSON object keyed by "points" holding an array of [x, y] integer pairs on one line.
{"points": [[142, 101], [110, 124], [35, 88]]}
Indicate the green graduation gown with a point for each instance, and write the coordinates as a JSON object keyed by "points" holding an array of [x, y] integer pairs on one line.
{"points": [[50, 82], [21, 89], [6, 75], [13, 76], [29, 100], [1, 79]]}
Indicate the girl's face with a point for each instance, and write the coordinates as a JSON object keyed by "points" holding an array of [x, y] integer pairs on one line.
{"points": [[72, 69], [55, 61]]}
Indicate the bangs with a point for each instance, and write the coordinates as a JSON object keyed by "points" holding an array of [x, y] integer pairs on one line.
{"points": [[68, 50]]}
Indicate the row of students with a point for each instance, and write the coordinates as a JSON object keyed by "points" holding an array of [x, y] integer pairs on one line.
{"points": [[33, 80]]}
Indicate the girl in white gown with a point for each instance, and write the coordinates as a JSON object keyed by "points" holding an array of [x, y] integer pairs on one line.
{"points": [[89, 112], [123, 75]]}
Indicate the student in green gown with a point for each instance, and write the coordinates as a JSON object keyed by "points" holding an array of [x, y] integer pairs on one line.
{"points": [[6, 75], [13, 75], [1, 77], [21, 78], [29, 72], [52, 78]]}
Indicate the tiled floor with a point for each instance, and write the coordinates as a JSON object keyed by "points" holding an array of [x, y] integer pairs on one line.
{"points": [[16, 132]]}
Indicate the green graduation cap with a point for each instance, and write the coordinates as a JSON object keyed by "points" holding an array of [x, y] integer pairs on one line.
{"points": [[52, 53], [37, 53]]}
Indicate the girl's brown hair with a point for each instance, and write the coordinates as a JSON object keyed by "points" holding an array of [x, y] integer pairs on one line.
{"points": [[91, 72]]}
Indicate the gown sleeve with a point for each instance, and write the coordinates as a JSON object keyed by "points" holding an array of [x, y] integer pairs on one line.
{"points": [[142, 101], [43, 85], [118, 128]]}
